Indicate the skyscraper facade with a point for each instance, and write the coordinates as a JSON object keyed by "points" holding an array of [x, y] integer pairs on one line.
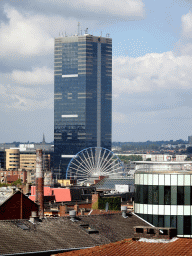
{"points": [[82, 96]]}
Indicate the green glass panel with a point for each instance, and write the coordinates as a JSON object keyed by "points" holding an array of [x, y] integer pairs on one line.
{"points": [[167, 195], [136, 194], [173, 195], [179, 225], [187, 225], [191, 195], [155, 194], [161, 221], [150, 218], [155, 220], [145, 194], [145, 217], [167, 221], [161, 195], [180, 195], [187, 195], [150, 194], [141, 194], [173, 221]]}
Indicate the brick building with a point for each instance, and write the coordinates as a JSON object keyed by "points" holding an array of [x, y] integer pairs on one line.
{"points": [[17, 206]]}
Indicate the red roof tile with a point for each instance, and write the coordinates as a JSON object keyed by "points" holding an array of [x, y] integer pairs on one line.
{"points": [[180, 247]]}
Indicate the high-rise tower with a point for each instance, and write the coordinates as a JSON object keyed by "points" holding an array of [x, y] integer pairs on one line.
{"points": [[82, 96]]}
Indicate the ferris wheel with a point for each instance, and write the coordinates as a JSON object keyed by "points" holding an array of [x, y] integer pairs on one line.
{"points": [[90, 163]]}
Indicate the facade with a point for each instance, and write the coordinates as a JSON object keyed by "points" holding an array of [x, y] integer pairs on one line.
{"points": [[31, 177], [82, 96], [25, 160], [160, 157], [163, 197], [2, 159], [28, 161], [8, 176], [12, 159], [17, 206]]}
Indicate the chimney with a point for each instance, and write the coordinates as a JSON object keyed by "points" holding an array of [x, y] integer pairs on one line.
{"points": [[39, 182], [33, 218], [124, 211], [72, 214], [76, 208], [82, 211]]}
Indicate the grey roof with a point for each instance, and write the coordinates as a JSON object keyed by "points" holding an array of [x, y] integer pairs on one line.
{"points": [[108, 183], [5, 193], [22, 236]]}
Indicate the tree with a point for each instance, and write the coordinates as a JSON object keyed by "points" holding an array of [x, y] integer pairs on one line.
{"points": [[17, 182], [126, 159]]}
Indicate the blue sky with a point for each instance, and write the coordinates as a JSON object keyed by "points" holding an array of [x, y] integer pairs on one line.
{"points": [[152, 60]]}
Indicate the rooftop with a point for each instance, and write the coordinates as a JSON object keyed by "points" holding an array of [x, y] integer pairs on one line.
{"points": [[22, 236], [109, 183], [177, 246], [167, 167]]}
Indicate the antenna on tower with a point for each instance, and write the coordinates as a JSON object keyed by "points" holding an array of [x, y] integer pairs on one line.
{"points": [[101, 33], [78, 25], [86, 31]]}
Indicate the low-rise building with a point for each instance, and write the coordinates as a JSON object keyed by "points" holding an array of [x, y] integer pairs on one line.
{"points": [[15, 205], [8, 176]]}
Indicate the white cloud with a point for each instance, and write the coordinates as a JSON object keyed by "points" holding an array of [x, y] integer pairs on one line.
{"points": [[184, 45], [13, 98], [38, 76], [27, 90], [151, 72], [121, 8], [186, 21], [22, 36], [89, 9], [31, 34]]}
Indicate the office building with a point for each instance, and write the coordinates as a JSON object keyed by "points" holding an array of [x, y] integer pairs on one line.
{"points": [[82, 96], [2, 159], [190, 140], [163, 196]]}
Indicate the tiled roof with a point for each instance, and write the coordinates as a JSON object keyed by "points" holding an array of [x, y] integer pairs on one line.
{"points": [[179, 247], [62, 233], [109, 183]]}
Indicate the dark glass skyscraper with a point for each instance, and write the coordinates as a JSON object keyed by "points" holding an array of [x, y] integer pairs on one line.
{"points": [[82, 96]]}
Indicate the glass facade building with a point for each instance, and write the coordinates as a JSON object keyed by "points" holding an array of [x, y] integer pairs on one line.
{"points": [[164, 199], [82, 96]]}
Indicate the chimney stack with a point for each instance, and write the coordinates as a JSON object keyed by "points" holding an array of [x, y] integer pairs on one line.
{"points": [[124, 211], [39, 182]]}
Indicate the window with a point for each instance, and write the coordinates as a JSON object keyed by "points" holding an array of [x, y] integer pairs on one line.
{"points": [[139, 230], [163, 232], [180, 195], [155, 194], [187, 225], [167, 195], [150, 231]]}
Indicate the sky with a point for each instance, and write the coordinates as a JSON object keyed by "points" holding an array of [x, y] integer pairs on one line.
{"points": [[152, 65]]}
